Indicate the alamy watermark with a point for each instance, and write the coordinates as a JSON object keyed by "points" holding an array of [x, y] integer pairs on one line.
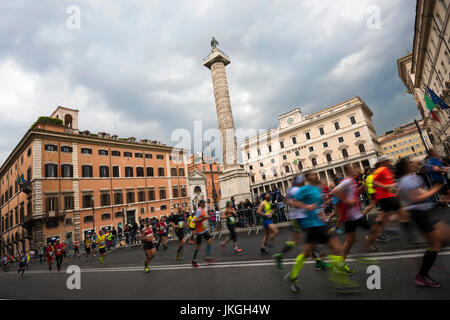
{"points": [[74, 19]]}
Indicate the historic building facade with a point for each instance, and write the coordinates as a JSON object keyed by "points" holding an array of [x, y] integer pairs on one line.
{"points": [[429, 65], [324, 141], [77, 182], [405, 142]]}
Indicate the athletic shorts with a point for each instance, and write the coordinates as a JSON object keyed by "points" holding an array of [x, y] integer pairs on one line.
{"points": [[318, 235], [76, 250], [22, 264], [163, 235], [180, 234], [192, 229], [148, 245], [296, 226], [423, 220], [350, 226], [88, 250], [232, 228], [205, 235], [389, 204], [102, 250], [267, 223]]}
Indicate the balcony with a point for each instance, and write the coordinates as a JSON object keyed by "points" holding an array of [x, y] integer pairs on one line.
{"points": [[26, 187]]}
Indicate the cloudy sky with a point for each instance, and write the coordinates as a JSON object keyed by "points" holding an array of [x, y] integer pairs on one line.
{"points": [[134, 68]]}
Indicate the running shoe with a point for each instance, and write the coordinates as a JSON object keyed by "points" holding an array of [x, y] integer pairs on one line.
{"points": [[279, 259], [293, 283], [146, 270], [177, 258], [194, 264], [263, 252], [320, 266], [426, 281], [209, 260], [345, 269], [341, 281], [237, 250], [382, 238]]}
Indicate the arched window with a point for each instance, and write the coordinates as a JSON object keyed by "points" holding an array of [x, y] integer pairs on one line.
{"points": [[345, 153], [300, 165], [329, 159], [253, 179], [361, 148], [68, 120], [286, 169], [314, 162], [197, 190]]}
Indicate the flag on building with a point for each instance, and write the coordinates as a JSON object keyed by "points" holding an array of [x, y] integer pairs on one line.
{"points": [[435, 118], [429, 103], [437, 100]]}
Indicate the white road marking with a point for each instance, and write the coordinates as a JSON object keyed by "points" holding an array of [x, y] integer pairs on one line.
{"points": [[239, 264]]}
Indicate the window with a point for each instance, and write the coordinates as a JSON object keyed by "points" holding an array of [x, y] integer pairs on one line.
{"points": [[357, 134], [284, 157], [259, 152], [163, 207], [250, 168], [104, 172], [115, 153], [345, 153], [127, 154], [69, 203], [353, 120], [50, 147], [29, 152], [325, 144], [261, 164], [51, 170], [105, 200], [183, 191], [159, 157], [86, 151], [67, 171], [361, 148], [341, 139], [173, 172], [253, 179], [141, 196], [270, 148], [161, 172], [308, 135], [150, 172], [175, 192], [138, 155], [66, 149], [118, 198], [282, 144], [102, 152], [162, 194], [337, 126], [151, 195], [311, 149], [181, 172], [116, 171], [297, 153], [139, 171], [88, 219], [287, 169], [321, 131], [106, 216], [88, 201], [329, 158], [29, 174], [272, 160], [314, 162], [130, 197], [86, 171], [248, 155], [128, 172], [294, 140], [148, 156]]}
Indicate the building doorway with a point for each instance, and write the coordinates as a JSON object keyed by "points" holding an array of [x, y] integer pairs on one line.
{"points": [[131, 217]]}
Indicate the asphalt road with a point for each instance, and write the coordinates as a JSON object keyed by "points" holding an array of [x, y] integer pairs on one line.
{"points": [[246, 275]]}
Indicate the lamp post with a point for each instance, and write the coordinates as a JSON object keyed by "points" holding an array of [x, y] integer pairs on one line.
{"points": [[93, 214], [214, 194]]}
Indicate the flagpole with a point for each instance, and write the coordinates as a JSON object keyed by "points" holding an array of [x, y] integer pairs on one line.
{"points": [[421, 136]]}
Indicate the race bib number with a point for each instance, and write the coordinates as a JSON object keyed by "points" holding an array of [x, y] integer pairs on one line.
{"points": [[232, 220], [180, 224], [205, 224]]}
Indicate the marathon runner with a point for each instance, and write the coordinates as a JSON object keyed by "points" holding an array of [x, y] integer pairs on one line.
{"points": [[59, 252], [50, 251], [87, 245], [76, 248], [202, 227], [417, 201], [230, 216], [310, 200], [101, 242], [22, 264], [147, 239], [162, 229], [177, 221], [191, 222], [266, 211]]}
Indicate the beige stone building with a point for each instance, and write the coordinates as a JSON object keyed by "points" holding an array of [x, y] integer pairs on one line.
{"points": [[429, 65], [405, 142], [324, 141]]}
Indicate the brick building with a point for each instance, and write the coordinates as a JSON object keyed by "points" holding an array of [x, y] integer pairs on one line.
{"points": [[77, 182]]}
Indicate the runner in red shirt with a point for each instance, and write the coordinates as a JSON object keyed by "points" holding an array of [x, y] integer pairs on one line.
{"points": [[162, 227], [50, 252], [147, 241], [76, 248], [59, 252]]}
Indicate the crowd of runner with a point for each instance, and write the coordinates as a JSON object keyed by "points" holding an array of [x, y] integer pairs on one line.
{"points": [[405, 192]]}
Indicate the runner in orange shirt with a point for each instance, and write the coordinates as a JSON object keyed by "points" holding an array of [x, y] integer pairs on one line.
{"points": [[201, 228]]}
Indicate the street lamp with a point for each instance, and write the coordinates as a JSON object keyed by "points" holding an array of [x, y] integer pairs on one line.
{"points": [[214, 194]]}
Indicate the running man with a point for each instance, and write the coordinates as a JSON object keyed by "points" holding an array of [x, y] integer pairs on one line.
{"points": [[370, 191], [94, 244], [76, 248], [417, 201], [147, 239], [162, 229], [22, 264], [230, 216], [266, 211], [59, 252], [50, 251], [309, 199], [177, 221], [202, 227], [191, 222], [101, 242], [87, 245]]}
